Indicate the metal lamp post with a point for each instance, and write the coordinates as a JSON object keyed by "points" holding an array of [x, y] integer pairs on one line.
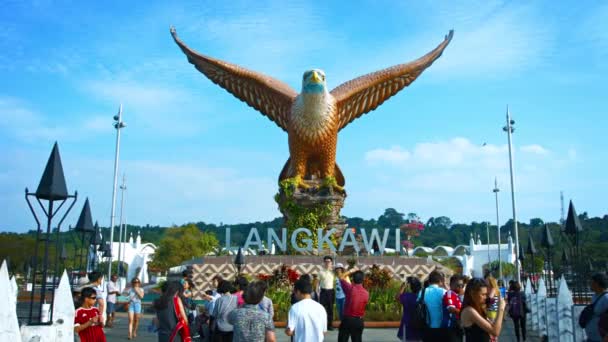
{"points": [[107, 251], [572, 230], [509, 129], [521, 262], [123, 188], [96, 242], [532, 251], [84, 227], [488, 241], [496, 190], [547, 243], [239, 261], [118, 124], [52, 188]]}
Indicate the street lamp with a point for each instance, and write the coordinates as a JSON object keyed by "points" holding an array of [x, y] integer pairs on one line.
{"points": [[547, 243], [107, 251], [573, 230], [96, 240], [84, 227], [52, 188], [239, 261], [496, 190], [123, 187], [532, 251], [118, 124], [509, 129], [488, 239]]}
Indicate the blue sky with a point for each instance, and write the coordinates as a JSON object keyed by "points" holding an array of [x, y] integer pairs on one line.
{"points": [[192, 152]]}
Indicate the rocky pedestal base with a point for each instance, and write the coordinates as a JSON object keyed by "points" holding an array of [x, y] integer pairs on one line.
{"points": [[314, 206]]}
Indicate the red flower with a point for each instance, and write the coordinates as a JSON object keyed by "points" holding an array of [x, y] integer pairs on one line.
{"points": [[292, 275], [264, 277]]}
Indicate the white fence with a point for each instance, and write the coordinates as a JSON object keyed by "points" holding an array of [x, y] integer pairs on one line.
{"points": [[62, 327], [554, 318]]}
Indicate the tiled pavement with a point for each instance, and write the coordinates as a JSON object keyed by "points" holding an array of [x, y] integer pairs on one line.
{"points": [[119, 332]]}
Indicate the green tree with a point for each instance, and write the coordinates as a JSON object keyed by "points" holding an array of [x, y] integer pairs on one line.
{"points": [[182, 243], [536, 222], [121, 272], [508, 269], [390, 219], [443, 221]]}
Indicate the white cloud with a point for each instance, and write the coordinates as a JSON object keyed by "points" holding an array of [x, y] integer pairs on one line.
{"points": [[149, 105], [457, 152], [455, 177], [534, 149], [19, 120], [572, 153], [98, 124], [136, 94], [491, 39], [393, 155]]}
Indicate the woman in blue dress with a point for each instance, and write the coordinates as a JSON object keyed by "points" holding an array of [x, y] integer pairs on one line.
{"points": [[407, 296]]}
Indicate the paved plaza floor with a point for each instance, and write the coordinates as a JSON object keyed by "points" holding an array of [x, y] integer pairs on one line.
{"points": [[119, 332]]}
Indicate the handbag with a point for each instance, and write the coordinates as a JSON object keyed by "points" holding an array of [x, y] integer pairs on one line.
{"points": [[418, 319], [182, 326], [588, 312]]}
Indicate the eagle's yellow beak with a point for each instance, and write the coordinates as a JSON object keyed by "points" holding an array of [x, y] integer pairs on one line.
{"points": [[315, 77]]}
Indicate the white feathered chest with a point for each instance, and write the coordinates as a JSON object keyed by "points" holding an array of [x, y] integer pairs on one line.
{"points": [[312, 115]]}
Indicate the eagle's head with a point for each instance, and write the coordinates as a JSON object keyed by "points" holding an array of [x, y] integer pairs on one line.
{"points": [[313, 82]]}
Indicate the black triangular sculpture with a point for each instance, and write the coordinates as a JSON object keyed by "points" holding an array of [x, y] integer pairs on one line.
{"points": [[102, 245], [239, 260], [85, 220], [64, 254], [52, 184], [547, 239], [573, 224], [531, 248], [107, 251], [97, 238]]}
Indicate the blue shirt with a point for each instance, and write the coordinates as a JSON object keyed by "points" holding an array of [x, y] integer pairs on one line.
{"points": [[433, 298], [592, 329]]}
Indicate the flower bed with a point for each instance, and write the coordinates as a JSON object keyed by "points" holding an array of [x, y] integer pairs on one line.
{"points": [[382, 308]]}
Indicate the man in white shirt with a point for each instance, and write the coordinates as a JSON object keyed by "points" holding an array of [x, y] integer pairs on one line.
{"points": [[307, 320], [111, 299]]}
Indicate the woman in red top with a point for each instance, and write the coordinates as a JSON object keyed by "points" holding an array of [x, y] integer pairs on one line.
{"points": [[87, 321]]}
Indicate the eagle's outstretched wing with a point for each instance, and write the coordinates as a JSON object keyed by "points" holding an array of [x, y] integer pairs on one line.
{"points": [[271, 97], [365, 93]]}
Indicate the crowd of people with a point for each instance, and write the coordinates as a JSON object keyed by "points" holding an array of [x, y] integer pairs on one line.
{"points": [[96, 306], [461, 309], [240, 311]]}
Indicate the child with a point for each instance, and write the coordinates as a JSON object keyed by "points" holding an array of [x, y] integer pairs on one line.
{"points": [[200, 323], [87, 320]]}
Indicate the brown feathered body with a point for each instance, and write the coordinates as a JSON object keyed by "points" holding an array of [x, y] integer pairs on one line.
{"points": [[313, 138]]}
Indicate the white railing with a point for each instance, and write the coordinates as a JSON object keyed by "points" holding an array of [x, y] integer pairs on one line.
{"points": [[555, 317], [60, 330]]}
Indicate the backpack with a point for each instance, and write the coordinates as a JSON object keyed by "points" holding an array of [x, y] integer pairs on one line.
{"points": [[516, 305], [588, 312], [419, 318], [603, 324]]}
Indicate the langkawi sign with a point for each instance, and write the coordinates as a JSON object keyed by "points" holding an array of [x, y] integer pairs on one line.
{"points": [[324, 239]]}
